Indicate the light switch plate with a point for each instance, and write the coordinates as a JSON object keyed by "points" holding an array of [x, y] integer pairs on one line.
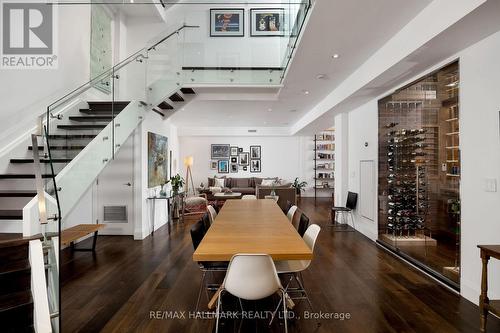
{"points": [[490, 185]]}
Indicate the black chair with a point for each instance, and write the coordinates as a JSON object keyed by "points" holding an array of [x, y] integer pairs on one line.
{"points": [[303, 224], [206, 221], [288, 206], [350, 205], [198, 231]]}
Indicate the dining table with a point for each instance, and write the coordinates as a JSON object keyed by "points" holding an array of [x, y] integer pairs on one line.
{"points": [[252, 226]]}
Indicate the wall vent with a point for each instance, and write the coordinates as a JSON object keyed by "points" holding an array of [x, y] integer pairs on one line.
{"points": [[252, 131], [115, 214]]}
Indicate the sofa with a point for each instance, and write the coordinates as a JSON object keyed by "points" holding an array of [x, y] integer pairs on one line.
{"points": [[252, 185]]}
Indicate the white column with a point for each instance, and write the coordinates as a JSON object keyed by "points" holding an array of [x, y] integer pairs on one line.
{"points": [[341, 158]]}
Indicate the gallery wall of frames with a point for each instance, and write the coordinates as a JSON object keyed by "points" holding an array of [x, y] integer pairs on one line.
{"points": [[231, 159], [419, 173]]}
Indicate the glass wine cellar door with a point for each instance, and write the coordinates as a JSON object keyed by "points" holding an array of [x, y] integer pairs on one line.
{"points": [[419, 178]]}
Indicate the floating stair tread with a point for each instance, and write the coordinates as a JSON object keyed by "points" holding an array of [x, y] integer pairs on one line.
{"points": [[59, 148], [165, 106], [43, 160], [21, 176], [101, 112], [81, 127], [72, 136], [91, 118], [14, 266], [176, 98], [11, 214], [15, 300], [17, 194], [187, 91]]}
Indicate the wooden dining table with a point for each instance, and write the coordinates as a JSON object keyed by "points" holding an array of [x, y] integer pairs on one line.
{"points": [[252, 226]]}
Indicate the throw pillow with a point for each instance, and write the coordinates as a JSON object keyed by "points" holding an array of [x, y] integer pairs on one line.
{"points": [[219, 182], [215, 189], [267, 182]]}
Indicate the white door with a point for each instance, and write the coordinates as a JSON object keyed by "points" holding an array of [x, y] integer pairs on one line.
{"points": [[114, 193]]}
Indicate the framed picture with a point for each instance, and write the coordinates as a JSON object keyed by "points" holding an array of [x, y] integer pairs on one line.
{"points": [[244, 160], [234, 168], [220, 151], [255, 166], [267, 22], [223, 166], [227, 22], [255, 152], [234, 159], [240, 150], [157, 159], [213, 165], [234, 151]]}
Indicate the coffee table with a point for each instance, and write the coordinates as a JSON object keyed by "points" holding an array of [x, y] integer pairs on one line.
{"points": [[225, 196]]}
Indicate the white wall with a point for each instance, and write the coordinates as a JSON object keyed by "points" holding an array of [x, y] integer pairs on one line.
{"points": [[363, 127], [152, 123], [285, 157], [25, 94], [480, 154], [203, 50]]}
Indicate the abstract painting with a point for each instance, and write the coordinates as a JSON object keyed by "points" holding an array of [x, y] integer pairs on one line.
{"points": [[157, 159], [227, 22]]}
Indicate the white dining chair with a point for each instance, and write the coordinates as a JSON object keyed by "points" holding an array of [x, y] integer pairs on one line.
{"points": [[211, 213], [291, 212], [249, 197], [251, 277], [296, 267]]}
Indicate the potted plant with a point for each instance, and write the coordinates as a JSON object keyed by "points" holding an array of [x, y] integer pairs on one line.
{"points": [[299, 186], [177, 182]]}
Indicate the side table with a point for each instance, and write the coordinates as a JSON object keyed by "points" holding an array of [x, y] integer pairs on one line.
{"points": [[485, 304]]}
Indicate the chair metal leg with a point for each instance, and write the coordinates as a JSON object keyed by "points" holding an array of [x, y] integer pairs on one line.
{"points": [[219, 303], [202, 285], [285, 311], [352, 219], [279, 303]]}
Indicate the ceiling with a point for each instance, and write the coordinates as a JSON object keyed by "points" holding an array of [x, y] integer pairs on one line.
{"points": [[354, 29], [140, 9]]}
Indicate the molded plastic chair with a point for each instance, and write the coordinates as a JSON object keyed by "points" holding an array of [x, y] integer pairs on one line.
{"points": [[296, 267], [251, 277], [291, 212], [249, 197], [212, 213]]}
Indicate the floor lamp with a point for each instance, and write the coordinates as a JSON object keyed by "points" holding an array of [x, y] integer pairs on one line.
{"points": [[188, 162]]}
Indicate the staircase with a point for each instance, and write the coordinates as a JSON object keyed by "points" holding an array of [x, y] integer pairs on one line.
{"points": [[16, 303], [18, 187]]}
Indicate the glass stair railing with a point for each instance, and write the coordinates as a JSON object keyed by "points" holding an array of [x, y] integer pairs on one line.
{"points": [[86, 128]]}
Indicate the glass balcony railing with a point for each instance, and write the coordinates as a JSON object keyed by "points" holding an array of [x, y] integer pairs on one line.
{"points": [[85, 129]]}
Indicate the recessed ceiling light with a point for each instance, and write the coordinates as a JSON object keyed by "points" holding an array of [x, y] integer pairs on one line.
{"points": [[306, 92], [321, 76], [270, 109], [293, 110], [335, 56], [265, 123]]}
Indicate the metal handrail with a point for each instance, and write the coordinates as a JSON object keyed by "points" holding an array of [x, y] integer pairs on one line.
{"points": [[108, 73]]}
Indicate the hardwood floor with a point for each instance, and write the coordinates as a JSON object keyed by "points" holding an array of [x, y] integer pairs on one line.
{"points": [[116, 290]]}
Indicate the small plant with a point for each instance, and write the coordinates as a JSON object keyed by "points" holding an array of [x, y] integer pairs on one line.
{"points": [[298, 185], [177, 182]]}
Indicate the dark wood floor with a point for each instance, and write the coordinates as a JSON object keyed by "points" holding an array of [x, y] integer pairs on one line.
{"points": [[116, 290]]}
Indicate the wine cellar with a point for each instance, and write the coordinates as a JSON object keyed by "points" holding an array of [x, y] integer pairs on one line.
{"points": [[419, 172]]}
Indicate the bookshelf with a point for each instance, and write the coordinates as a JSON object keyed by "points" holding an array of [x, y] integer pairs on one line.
{"points": [[324, 161]]}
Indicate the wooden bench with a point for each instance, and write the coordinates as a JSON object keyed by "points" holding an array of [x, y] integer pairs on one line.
{"points": [[70, 235]]}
